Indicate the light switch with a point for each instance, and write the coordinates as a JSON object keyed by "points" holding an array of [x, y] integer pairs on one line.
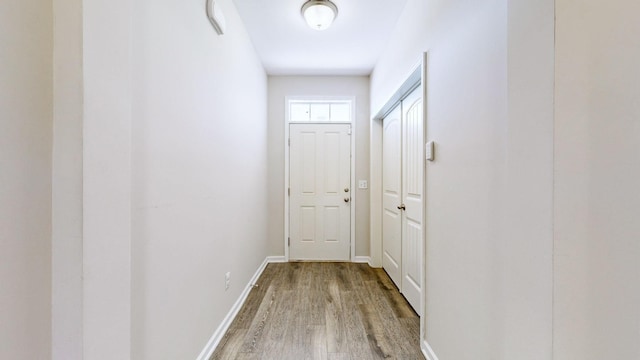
{"points": [[363, 184], [429, 151]]}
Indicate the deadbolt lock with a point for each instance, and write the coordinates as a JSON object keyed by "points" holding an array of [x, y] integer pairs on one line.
{"points": [[346, 189]]}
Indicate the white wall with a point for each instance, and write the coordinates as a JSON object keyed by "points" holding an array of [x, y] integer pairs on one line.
{"points": [[67, 187], [25, 179], [199, 169], [158, 176], [489, 198], [279, 88], [597, 172], [107, 172], [527, 239], [91, 177]]}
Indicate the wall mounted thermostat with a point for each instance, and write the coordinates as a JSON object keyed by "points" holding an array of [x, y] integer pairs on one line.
{"points": [[214, 13]]}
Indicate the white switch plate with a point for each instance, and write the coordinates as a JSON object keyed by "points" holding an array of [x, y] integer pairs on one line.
{"points": [[363, 184], [227, 281], [429, 151]]}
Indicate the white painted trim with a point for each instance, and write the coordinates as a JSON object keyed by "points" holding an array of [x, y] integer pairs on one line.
{"points": [[224, 326], [287, 100], [362, 260], [425, 139], [411, 83], [427, 351], [375, 192], [354, 189], [276, 259], [287, 135]]}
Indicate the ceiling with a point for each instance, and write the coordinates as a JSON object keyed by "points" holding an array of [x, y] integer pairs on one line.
{"points": [[351, 46]]}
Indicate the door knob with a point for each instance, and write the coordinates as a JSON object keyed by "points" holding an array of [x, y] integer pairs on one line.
{"points": [[402, 207], [347, 199], [346, 189]]}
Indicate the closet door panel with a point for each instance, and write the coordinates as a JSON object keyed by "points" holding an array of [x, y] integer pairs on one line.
{"points": [[412, 197], [392, 196]]}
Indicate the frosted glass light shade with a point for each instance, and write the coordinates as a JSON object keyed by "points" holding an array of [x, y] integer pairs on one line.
{"points": [[319, 14]]}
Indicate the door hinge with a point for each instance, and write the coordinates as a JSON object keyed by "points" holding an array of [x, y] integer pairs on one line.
{"points": [[289, 191], [288, 241], [289, 141], [349, 131]]}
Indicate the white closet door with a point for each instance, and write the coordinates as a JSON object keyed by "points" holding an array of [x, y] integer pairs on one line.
{"points": [[412, 195], [320, 200], [402, 197], [392, 195]]}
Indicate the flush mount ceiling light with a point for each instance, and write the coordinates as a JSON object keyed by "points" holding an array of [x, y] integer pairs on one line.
{"points": [[319, 14]]}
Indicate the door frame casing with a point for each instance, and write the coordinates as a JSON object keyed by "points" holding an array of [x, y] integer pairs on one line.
{"points": [[352, 99]]}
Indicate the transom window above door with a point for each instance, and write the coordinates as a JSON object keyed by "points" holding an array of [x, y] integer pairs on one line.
{"points": [[320, 111]]}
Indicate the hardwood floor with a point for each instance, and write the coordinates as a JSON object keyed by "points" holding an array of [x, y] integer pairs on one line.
{"points": [[333, 311]]}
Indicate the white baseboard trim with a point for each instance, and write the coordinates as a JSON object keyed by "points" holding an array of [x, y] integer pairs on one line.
{"points": [[427, 351], [362, 260], [224, 326], [275, 259]]}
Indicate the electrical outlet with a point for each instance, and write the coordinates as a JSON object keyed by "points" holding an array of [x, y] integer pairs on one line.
{"points": [[363, 184], [227, 281]]}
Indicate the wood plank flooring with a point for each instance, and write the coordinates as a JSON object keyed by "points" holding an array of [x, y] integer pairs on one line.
{"points": [[332, 311]]}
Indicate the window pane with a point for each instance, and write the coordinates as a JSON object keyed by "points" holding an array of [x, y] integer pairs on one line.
{"points": [[340, 112], [320, 112], [299, 112]]}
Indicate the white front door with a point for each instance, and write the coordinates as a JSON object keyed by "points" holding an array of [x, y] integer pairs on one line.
{"points": [[392, 195], [320, 192]]}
